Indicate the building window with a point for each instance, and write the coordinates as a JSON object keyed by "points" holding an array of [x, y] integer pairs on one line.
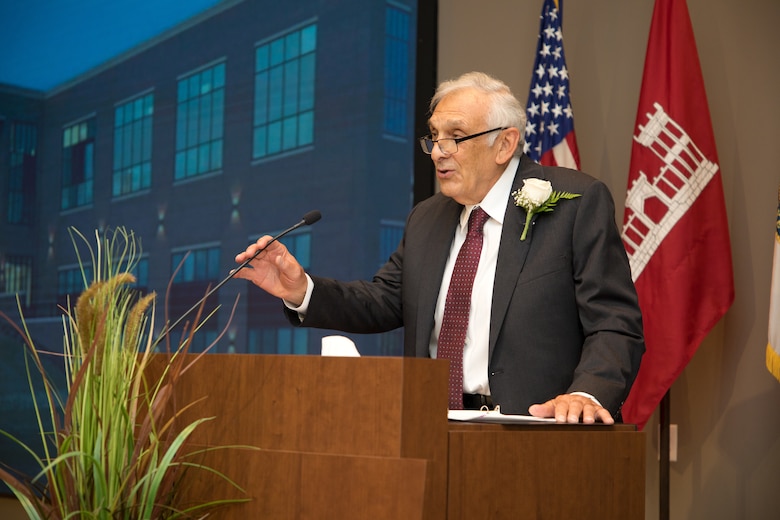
{"points": [[396, 71], [278, 340], [198, 270], [284, 93], [390, 234], [21, 175], [141, 272], [299, 244], [198, 266], [391, 343], [267, 330], [78, 164], [71, 282], [15, 275], [200, 122], [133, 146]]}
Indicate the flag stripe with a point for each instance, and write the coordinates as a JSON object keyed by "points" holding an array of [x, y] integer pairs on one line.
{"points": [[562, 152]]}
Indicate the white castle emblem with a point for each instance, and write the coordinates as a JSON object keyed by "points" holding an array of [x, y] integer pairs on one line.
{"points": [[682, 178]]}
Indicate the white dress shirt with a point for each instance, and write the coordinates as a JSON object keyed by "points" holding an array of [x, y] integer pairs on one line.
{"points": [[475, 351]]}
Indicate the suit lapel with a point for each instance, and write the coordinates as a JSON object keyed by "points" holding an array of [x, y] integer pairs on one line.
{"points": [[512, 252], [439, 234]]}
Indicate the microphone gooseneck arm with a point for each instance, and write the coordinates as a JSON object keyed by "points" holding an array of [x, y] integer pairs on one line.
{"points": [[308, 219]]}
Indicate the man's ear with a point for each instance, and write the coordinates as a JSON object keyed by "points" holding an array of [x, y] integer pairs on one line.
{"points": [[507, 143]]}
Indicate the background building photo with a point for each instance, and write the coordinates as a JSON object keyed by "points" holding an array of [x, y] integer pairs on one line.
{"points": [[231, 125]]}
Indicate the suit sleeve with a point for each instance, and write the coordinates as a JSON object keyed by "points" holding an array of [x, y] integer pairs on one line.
{"points": [[363, 307], [607, 302]]}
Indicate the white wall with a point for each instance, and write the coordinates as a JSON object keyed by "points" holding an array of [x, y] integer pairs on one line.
{"points": [[726, 404]]}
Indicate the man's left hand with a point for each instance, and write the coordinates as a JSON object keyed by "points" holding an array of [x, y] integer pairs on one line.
{"points": [[570, 408]]}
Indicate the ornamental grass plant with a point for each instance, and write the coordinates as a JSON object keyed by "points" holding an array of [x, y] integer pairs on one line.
{"points": [[115, 447]]}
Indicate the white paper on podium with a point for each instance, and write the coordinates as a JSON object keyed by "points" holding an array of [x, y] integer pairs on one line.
{"points": [[339, 346], [495, 416]]}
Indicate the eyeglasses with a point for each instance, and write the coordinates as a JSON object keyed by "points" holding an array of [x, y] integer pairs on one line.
{"points": [[449, 146]]}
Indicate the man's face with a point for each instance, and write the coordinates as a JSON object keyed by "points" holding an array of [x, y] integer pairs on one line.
{"points": [[468, 174]]}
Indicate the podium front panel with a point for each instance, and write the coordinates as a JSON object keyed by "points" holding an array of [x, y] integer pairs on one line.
{"points": [[367, 408], [550, 472], [289, 485]]}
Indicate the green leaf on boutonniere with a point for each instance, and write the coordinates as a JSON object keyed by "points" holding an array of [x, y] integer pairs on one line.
{"points": [[537, 196]]}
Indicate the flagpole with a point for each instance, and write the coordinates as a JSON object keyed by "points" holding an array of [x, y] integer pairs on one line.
{"points": [[663, 465], [673, 156]]}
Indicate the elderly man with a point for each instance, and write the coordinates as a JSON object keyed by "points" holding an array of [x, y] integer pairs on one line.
{"points": [[514, 272]]}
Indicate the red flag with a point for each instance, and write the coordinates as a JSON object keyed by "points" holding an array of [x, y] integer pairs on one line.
{"points": [[674, 227]]}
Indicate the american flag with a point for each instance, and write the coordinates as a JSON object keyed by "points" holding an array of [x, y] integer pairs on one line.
{"points": [[549, 132]]}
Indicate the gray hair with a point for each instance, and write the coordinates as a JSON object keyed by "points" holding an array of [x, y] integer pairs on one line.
{"points": [[505, 110]]}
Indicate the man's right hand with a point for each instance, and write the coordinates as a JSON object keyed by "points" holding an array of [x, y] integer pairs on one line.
{"points": [[274, 270]]}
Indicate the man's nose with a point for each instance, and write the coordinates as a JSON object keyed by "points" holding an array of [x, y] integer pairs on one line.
{"points": [[436, 152]]}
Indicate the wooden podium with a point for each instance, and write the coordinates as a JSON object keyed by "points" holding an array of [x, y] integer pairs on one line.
{"points": [[358, 438]]}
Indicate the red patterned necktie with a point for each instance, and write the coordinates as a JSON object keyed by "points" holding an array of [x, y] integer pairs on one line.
{"points": [[452, 335]]}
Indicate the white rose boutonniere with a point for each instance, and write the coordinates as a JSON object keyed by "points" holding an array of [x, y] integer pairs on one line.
{"points": [[537, 196]]}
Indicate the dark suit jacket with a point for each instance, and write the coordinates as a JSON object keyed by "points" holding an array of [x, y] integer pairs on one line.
{"points": [[565, 315]]}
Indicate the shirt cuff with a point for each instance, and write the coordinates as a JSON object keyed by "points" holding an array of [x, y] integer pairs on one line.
{"points": [[304, 306], [585, 394]]}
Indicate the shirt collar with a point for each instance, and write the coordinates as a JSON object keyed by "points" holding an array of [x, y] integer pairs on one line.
{"points": [[496, 199]]}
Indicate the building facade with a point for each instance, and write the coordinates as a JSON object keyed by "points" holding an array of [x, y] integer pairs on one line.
{"points": [[228, 127]]}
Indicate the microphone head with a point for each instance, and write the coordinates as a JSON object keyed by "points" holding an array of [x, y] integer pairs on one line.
{"points": [[311, 217]]}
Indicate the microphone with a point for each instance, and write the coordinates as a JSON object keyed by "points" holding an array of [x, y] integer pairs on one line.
{"points": [[308, 219]]}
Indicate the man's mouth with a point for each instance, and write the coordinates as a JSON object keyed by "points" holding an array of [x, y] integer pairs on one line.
{"points": [[444, 173]]}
